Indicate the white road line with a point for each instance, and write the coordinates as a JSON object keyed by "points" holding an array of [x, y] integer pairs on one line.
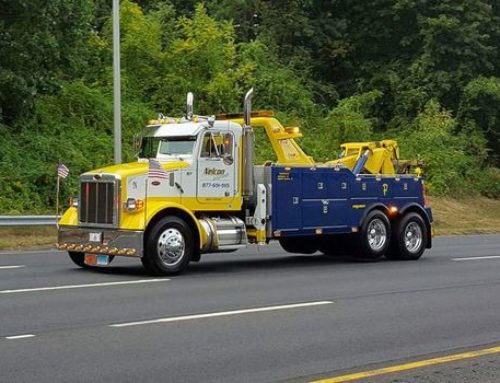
{"points": [[475, 258], [20, 336], [67, 287], [223, 313], [12, 267]]}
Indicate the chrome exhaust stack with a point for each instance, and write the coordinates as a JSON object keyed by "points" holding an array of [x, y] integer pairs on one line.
{"points": [[248, 149], [189, 106]]}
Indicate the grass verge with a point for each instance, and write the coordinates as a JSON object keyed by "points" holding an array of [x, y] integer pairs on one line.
{"points": [[474, 215], [37, 237]]}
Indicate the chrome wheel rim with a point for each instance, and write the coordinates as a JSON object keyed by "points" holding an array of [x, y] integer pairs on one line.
{"points": [[377, 234], [171, 247], [413, 237]]}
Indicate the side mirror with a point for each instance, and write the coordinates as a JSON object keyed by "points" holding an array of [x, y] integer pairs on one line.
{"points": [[228, 159]]}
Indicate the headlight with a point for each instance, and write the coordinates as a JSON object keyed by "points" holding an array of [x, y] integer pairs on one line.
{"points": [[133, 204]]}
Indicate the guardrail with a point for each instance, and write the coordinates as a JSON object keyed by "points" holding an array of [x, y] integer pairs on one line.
{"points": [[27, 220]]}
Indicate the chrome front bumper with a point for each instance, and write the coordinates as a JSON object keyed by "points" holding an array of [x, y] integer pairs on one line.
{"points": [[101, 241]]}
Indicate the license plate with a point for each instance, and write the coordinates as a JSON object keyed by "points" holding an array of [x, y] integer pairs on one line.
{"points": [[95, 237], [96, 260]]}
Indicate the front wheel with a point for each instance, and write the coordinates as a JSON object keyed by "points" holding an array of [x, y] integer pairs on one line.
{"points": [[78, 258], [169, 247], [409, 239]]}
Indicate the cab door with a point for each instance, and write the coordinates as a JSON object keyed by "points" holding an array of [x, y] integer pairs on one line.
{"points": [[216, 168]]}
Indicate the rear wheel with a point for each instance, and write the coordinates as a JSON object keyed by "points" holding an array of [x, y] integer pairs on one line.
{"points": [[302, 245], [169, 247], [373, 240], [409, 239]]}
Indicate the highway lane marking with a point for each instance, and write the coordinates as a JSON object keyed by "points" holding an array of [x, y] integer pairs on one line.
{"points": [[20, 336], [11, 267], [223, 313], [68, 287], [410, 366], [475, 258]]}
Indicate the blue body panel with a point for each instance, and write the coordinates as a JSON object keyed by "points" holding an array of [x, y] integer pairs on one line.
{"points": [[335, 199]]}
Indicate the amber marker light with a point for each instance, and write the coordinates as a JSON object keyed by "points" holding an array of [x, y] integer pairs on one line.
{"points": [[393, 210]]}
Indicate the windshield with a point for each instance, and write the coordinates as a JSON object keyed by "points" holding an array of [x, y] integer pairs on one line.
{"points": [[157, 147]]}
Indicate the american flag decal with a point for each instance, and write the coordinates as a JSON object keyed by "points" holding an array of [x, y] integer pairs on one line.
{"points": [[156, 170]]}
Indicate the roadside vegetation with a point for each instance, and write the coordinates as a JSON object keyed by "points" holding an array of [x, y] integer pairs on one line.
{"points": [[425, 73]]}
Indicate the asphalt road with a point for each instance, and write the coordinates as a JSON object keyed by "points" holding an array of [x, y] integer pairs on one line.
{"points": [[272, 317]]}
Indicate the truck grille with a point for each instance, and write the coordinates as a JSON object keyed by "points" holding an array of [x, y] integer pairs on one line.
{"points": [[98, 203]]}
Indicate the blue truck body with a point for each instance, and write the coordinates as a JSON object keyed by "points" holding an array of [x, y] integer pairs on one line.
{"points": [[334, 200]]}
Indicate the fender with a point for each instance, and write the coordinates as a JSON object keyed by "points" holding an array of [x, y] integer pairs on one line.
{"points": [[69, 217], [162, 209], [377, 205]]}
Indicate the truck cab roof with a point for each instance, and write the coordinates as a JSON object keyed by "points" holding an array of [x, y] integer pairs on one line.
{"points": [[185, 127]]}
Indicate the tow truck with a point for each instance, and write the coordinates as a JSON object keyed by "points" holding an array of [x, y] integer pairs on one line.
{"points": [[212, 197]]}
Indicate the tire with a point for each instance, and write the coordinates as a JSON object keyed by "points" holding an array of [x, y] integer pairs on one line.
{"points": [[409, 239], [334, 245], [169, 247], [374, 238], [78, 258], [301, 245]]}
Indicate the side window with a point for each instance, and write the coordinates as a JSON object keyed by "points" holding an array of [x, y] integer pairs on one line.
{"points": [[217, 145]]}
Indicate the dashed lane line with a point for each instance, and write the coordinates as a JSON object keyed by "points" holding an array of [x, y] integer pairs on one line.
{"points": [[222, 313], [24, 336], [88, 285], [475, 258], [12, 267]]}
